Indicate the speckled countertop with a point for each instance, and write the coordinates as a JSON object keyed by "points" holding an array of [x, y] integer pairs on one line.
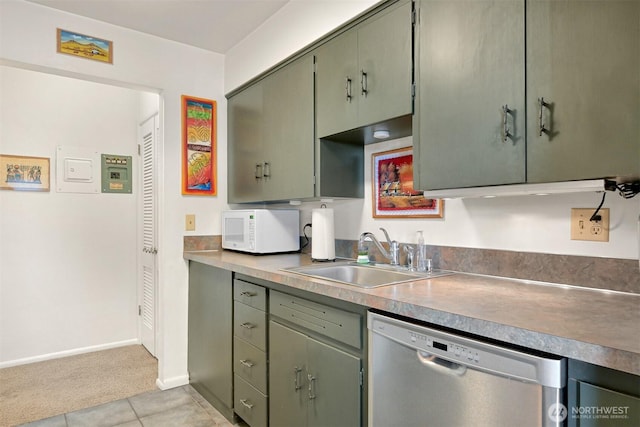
{"points": [[595, 326]]}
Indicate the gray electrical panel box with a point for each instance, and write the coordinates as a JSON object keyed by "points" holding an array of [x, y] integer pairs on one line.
{"points": [[116, 173]]}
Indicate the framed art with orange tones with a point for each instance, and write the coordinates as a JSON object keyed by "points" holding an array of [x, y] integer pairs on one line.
{"points": [[199, 146], [392, 184], [89, 47]]}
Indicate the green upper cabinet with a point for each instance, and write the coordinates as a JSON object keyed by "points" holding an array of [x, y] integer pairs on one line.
{"points": [[271, 137], [583, 63], [364, 75], [480, 122], [245, 132], [469, 123]]}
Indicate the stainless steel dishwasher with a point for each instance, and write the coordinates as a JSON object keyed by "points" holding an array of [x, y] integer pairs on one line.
{"points": [[420, 376]]}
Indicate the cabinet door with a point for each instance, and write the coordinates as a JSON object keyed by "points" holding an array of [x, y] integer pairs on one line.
{"points": [[209, 358], [469, 65], [583, 59], [384, 55], [246, 124], [288, 388], [621, 410], [288, 131], [333, 386], [337, 84]]}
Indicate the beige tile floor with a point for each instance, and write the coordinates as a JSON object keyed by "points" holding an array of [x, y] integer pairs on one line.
{"points": [[181, 406]]}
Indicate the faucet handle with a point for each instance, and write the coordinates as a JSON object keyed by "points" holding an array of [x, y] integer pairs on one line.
{"points": [[410, 256]]}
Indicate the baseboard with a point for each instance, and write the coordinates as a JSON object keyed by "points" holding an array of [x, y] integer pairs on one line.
{"points": [[172, 382], [73, 352]]}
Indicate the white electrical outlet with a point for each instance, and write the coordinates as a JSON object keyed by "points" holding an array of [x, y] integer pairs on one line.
{"points": [[582, 228]]}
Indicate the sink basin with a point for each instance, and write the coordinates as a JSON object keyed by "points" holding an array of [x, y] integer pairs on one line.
{"points": [[364, 275]]}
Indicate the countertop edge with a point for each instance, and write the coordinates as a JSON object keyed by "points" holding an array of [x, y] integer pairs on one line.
{"points": [[605, 356]]}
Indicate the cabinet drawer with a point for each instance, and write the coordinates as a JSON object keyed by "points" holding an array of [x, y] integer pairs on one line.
{"points": [[250, 294], [332, 322], [249, 403], [250, 363], [250, 324]]}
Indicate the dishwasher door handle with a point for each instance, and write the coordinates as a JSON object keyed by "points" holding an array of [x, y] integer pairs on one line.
{"points": [[439, 364]]}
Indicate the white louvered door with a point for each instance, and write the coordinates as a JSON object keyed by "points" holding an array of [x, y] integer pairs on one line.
{"points": [[147, 295]]}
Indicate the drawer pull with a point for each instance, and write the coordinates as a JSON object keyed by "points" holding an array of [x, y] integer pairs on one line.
{"points": [[248, 294], [246, 403], [296, 378], [248, 325], [247, 363]]}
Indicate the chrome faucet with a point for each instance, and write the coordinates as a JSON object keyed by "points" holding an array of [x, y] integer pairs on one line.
{"points": [[393, 255]]}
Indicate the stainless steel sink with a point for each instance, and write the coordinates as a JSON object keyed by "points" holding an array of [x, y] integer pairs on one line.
{"points": [[364, 275]]}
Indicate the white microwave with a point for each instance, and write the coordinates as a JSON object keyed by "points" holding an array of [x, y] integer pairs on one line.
{"points": [[261, 231]]}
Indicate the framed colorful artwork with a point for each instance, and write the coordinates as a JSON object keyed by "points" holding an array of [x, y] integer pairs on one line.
{"points": [[393, 193], [199, 146], [24, 173], [84, 46]]}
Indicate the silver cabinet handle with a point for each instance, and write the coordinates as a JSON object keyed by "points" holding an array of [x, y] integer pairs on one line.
{"points": [[312, 392], [266, 170], [363, 83], [347, 88], [247, 363], [541, 127], [296, 378], [506, 133], [258, 170], [248, 294], [248, 325], [246, 403]]}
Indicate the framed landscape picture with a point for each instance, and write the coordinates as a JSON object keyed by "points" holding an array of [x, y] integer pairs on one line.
{"points": [[24, 173], [393, 193], [198, 146], [84, 46]]}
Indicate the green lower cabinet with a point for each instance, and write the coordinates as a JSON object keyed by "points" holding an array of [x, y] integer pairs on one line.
{"points": [[209, 355], [602, 397], [311, 383], [249, 403]]}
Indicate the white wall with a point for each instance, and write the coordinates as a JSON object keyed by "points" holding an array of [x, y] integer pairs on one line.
{"points": [[523, 223], [68, 259], [296, 25], [27, 40]]}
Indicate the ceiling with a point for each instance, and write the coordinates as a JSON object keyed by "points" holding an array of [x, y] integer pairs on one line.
{"points": [[214, 25]]}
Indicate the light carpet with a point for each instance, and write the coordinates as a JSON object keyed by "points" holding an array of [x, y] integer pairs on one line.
{"points": [[43, 389]]}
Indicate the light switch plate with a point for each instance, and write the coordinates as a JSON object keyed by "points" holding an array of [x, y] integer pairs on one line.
{"points": [[582, 228], [190, 222]]}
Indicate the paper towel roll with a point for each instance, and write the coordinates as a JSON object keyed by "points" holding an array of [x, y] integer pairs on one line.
{"points": [[323, 242]]}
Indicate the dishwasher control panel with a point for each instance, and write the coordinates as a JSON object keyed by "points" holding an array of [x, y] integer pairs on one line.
{"points": [[442, 347]]}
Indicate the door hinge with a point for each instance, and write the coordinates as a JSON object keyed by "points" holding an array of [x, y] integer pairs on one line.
{"points": [[139, 149], [361, 378], [139, 310]]}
